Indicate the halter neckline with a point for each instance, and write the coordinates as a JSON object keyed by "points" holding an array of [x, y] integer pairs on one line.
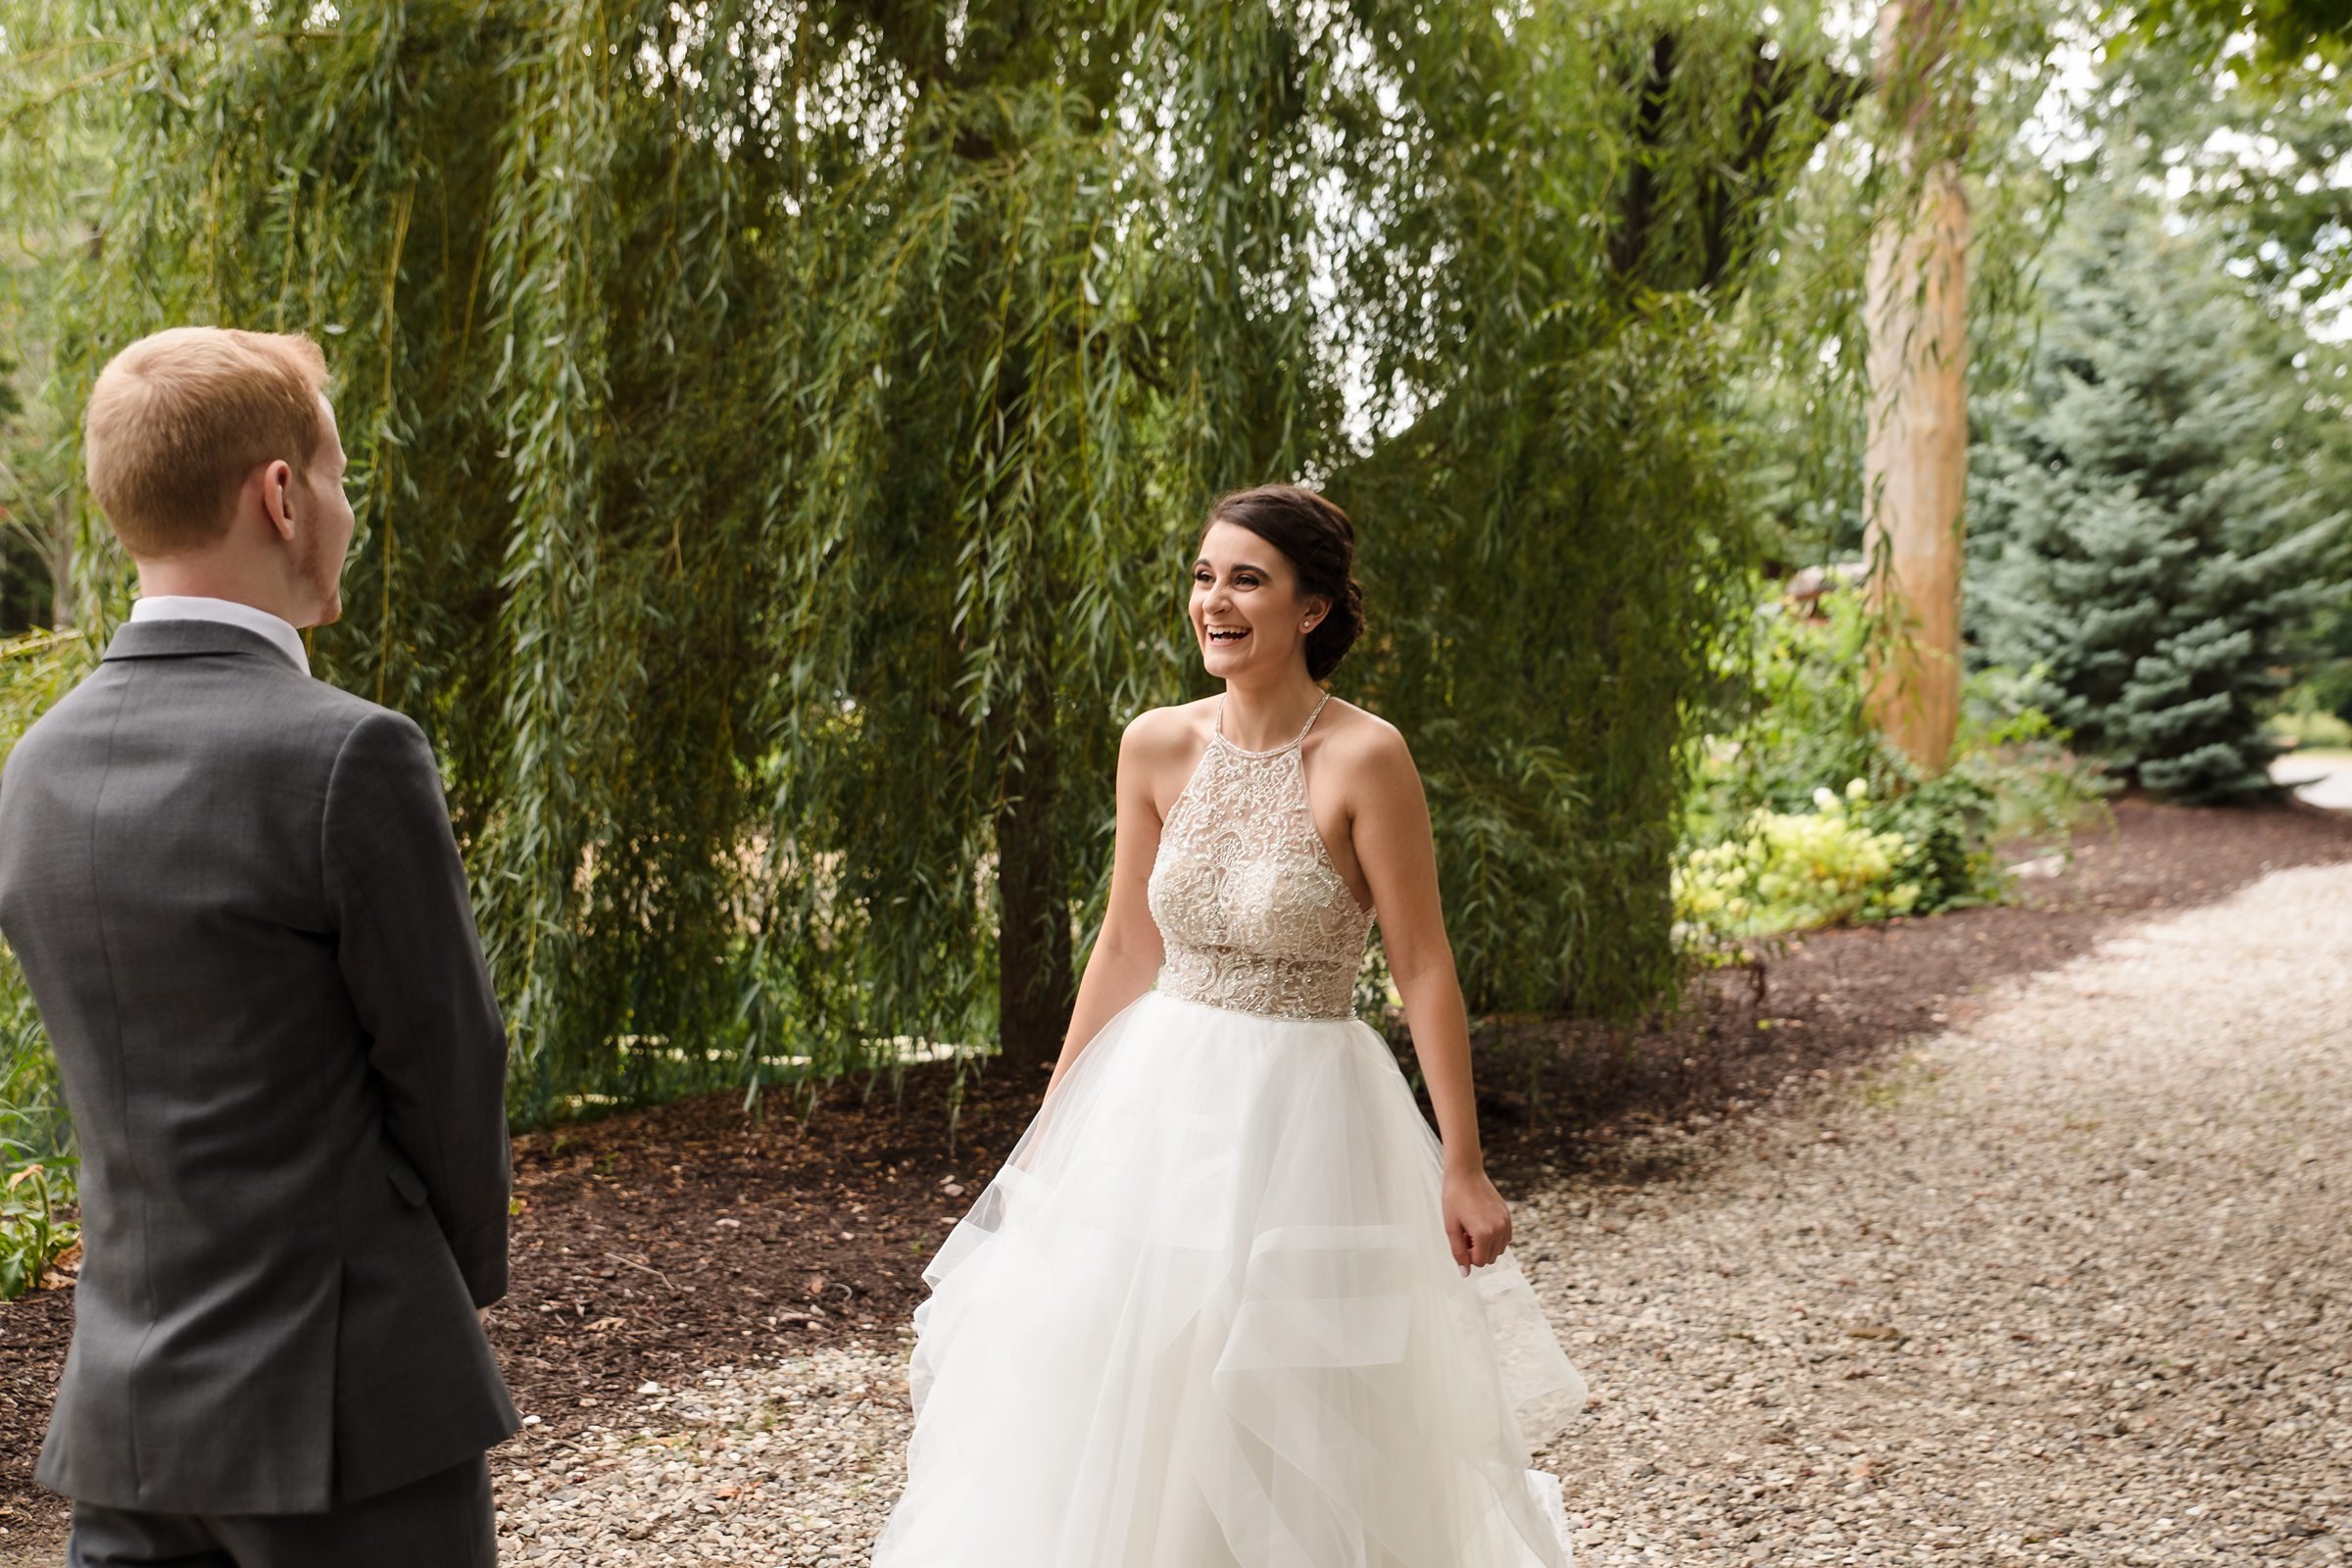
{"points": [[1218, 729]]}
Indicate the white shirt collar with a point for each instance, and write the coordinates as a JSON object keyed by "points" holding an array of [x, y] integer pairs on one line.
{"points": [[190, 606]]}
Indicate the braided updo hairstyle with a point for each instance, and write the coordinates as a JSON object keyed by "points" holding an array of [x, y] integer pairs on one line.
{"points": [[1319, 542]]}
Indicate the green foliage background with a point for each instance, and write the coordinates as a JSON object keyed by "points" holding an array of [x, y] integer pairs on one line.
{"points": [[781, 429], [34, 1127]]}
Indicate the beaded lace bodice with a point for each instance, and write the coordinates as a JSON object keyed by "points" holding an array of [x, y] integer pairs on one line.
{"points": [[1252, 913]]}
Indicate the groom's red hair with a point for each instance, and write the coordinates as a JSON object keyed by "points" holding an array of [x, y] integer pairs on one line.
{"points": [[180, 418]]}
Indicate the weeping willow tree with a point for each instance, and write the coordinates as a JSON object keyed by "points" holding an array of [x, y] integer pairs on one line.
{"points": [[779, 430], [1562, 542]]}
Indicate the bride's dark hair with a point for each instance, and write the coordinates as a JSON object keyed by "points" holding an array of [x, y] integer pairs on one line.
{"points": [[1319, 542]]}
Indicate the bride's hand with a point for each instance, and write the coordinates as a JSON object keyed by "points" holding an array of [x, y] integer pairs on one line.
{"points": [[1477, 1222]]}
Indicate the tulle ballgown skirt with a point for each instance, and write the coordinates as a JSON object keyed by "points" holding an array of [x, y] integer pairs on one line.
{"points": [[1206, 1317]]}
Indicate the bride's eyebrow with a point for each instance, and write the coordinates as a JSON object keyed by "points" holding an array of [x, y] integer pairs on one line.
{"points": [[1239, 565]]}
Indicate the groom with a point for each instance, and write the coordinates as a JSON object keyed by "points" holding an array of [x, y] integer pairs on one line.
{"points": [[236, 894]]}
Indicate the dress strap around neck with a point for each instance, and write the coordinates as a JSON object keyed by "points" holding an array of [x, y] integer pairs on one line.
{"points": [[1301, 737], [1217, 728]]}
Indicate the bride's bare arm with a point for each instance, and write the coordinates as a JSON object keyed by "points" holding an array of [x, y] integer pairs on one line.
{"points": [[1391, 834], [1127, 953]]}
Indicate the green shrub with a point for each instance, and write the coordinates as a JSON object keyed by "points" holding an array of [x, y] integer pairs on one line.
{"points": [[1789, 871], [1802, 725], [1942, 826], [1772, 849], [2042, 791], [36, 1143], [33, 1236]]}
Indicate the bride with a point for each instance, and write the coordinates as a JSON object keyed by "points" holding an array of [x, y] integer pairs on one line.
{"points": [[1228, 1304]]}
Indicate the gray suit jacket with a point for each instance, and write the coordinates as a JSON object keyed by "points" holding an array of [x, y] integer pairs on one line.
{"points": [[237, 897]]}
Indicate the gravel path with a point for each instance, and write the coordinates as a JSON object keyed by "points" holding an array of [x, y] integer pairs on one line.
{"points": [[2066, 1284], [2323, 780], [2069, 1283]]}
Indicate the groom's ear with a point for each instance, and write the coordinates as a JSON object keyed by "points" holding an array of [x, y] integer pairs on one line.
{"points": [[277, 497]]}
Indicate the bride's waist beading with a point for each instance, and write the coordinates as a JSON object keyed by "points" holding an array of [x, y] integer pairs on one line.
{"points": [[1243, 981]]}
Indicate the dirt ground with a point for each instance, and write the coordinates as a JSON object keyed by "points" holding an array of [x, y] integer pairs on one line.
{"points": [[656, 1242]]}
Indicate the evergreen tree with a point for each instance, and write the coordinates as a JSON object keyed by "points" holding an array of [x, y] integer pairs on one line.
{"points": [[2141, 534]]}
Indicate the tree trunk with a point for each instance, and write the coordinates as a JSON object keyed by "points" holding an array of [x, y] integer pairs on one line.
{"points": [[1034, 989], [1915, 460]]}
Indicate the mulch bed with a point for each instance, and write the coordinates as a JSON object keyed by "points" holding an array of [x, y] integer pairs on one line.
{"points": [[656, 1242]]}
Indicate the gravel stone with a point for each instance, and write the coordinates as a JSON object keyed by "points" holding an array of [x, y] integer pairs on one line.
{"points": [[2066, 1284], [795, 1460]]}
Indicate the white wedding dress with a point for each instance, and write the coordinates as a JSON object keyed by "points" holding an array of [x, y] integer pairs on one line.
{"points": [[1205, 1316]]}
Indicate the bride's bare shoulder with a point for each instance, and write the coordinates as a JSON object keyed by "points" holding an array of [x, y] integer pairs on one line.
{"points": [[1360, 738], [1167, 734]]}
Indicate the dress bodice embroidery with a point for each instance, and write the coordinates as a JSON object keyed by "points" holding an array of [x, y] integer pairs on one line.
{"points": [[1252, 913]]}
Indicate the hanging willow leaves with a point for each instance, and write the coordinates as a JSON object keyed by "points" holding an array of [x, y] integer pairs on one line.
{"points": [[781, 429]]}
